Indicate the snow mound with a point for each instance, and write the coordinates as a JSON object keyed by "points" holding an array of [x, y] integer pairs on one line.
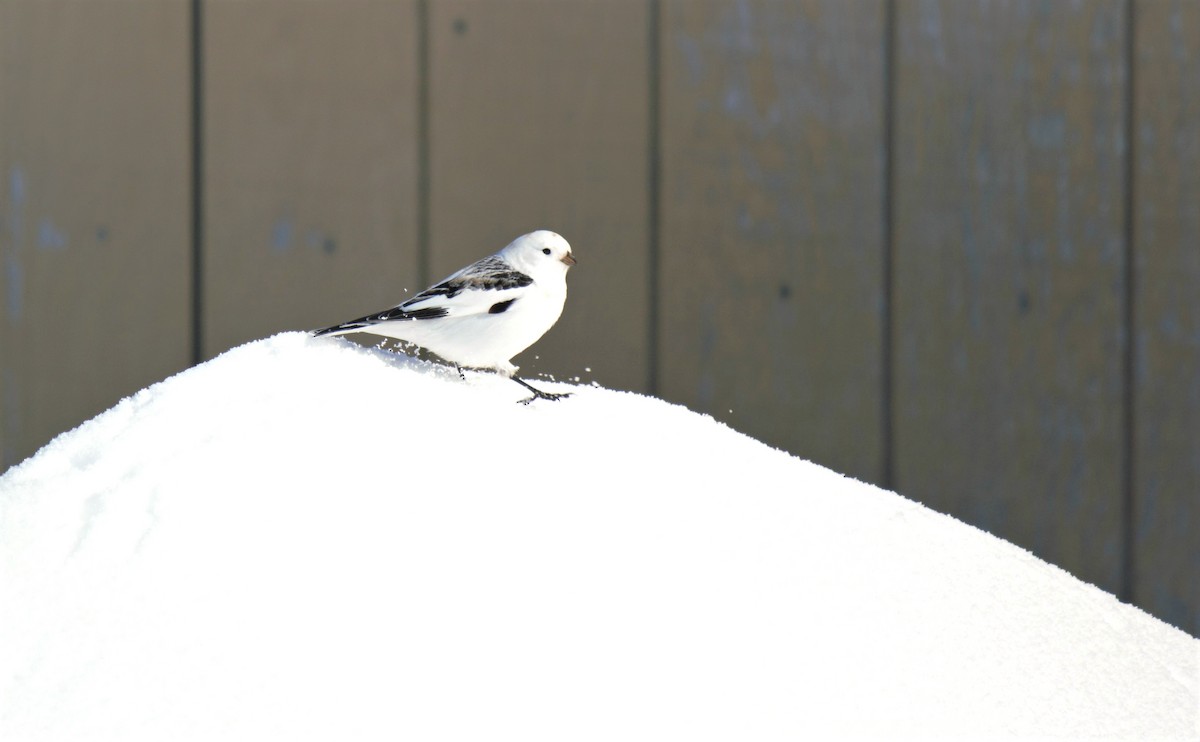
{"points": [[308, 539]]}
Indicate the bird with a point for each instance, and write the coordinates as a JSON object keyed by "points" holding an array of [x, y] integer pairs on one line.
{"points": [[486, 313]]}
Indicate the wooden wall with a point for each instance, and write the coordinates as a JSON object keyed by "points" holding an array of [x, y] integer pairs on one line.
{"points": [[1008, 242], [948, 246], [772, 227], [95, 225]]}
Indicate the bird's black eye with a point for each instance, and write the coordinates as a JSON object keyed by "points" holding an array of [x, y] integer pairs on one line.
{"points": [[545, 251]]}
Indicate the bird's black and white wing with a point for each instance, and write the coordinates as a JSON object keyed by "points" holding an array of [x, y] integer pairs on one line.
{"points": [[486, 286]]}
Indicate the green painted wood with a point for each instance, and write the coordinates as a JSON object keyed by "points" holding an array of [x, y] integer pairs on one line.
{"points": [[1009, 272], [539, 119], [772, 239], [94, 209], [310, 160], [1167, 312]]}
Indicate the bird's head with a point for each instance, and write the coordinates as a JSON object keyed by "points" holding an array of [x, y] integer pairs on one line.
{"points": [[541, 254]]}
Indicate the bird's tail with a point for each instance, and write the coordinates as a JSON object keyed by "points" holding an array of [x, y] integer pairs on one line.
{"points": [[340, 329], [395, 314]]}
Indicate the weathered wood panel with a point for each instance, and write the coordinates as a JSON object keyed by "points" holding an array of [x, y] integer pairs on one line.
{"points": [[539, 119], [1167, 312], [94, 209], [310, 142], [1009, 271], [772, 222]]}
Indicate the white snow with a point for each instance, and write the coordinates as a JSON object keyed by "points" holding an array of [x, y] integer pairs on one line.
{"points": [[305, 539]]}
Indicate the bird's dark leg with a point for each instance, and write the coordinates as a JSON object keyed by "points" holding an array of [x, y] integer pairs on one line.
{"points": [[538, 393], [461, 375]]}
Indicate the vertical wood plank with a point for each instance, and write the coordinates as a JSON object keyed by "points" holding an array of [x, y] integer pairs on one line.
{"points": [[94, 209], [1009, 271], [772, 222], [1167, 312], [538, 119], [310, 163]]}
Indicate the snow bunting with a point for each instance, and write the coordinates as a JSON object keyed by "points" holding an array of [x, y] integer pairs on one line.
{"points": [[486, 313]]}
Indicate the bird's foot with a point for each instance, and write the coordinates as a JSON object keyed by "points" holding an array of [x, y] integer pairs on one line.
{"points": [[539, 394]]}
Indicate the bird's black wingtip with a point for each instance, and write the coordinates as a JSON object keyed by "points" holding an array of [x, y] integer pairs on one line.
{"points": [[327, 330]]}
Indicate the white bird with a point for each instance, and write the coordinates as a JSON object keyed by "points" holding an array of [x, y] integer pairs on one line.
{"points": [[486, 313]]}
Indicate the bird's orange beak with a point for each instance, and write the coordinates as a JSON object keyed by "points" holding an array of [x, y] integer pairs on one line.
{"points": [[569, 259]]}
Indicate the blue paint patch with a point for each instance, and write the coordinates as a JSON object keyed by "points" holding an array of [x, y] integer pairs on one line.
{"points": [[931, 29], [734, 101], [1170, 327], [1048, 131], [12, 416], [706, 390], [16, 186], [50, 237], [1180, 48], [281, 235], [1105, 32]]}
